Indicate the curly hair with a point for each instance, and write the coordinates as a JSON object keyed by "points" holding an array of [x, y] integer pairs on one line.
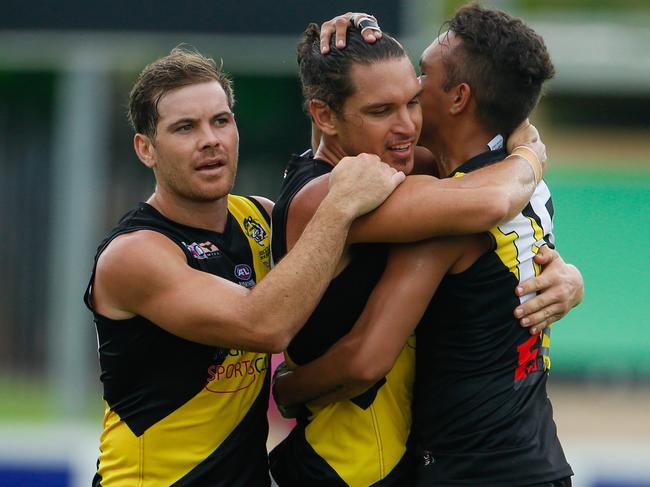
{"points": [[326, 77], [181, 67], [504, 61]]}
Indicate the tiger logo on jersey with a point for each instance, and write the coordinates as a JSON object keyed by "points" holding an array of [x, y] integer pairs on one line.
{"points": [[255, 230]]}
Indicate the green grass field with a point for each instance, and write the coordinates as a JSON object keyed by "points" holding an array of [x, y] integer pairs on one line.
{"points": [[602, 224]]}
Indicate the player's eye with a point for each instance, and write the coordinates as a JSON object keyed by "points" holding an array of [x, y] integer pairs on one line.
{"points": [[378, 112]]}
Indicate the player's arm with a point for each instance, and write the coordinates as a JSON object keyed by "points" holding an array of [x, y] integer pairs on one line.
{"points": [[560, 287], [145, 274], [425, 207], [266, 203], [368, 352]]}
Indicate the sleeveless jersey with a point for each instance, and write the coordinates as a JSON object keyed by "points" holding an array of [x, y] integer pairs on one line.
{"points": [[177, 412], [481, 413], [358, 442]]}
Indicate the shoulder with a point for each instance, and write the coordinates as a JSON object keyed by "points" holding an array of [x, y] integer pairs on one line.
{"points": [[264, 203], [303, 206], [139, 244], [307, 200], [131, 264]]}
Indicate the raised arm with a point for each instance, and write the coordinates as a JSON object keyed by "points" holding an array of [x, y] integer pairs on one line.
{"points": [[370, 349], [145, 274]]}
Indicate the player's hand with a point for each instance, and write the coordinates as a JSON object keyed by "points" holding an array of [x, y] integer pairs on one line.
{"points": [[560, 287], [360, 184], [339, 26], [281, 373], [528, 135]]}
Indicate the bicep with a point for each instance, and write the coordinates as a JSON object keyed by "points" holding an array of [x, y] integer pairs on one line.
{"points": [[303, 206], [266, 203], [148, 275]]}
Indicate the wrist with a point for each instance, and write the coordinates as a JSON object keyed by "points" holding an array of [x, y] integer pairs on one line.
{"points": [[340, 209], [530, 156]]}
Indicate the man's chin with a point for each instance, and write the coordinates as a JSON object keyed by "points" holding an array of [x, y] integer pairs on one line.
{"points": [[404, 165]]}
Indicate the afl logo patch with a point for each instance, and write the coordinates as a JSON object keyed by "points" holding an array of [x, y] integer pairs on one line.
{"points": [[243, 272]]}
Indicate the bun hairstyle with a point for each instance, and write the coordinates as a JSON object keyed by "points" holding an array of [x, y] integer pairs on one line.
{"points": [[326, 77], [504, 61]]}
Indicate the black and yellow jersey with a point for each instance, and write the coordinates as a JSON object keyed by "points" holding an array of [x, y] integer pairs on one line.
{"points": [[481, 412], [361, 441], [178, 412]]}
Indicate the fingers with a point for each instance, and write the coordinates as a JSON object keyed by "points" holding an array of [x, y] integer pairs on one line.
{"points": [[326, 31], [398, 178], [369, 27], [532, 285], [546, 255], [339, 25], [537, 314], [543, 319], [525, 134]]}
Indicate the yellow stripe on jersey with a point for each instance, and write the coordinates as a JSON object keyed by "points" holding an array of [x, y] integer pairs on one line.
{"points": [[517, 241], [546, 345], [197, 428], [258, 232], [506, 249], [364, 445]]}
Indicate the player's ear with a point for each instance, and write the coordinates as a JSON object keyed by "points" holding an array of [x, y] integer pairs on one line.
{"points": [[461, 95], [144, 149], [323, 116]]}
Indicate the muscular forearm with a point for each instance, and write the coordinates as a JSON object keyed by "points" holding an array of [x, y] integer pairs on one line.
{"points": [[512, 181], [424, 206], [369, 350], [325, 380], [309, 267]]}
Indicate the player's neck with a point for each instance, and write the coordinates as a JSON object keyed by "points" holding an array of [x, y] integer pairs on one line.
{"points": [[210, 215], [461, 144], [329, 152]]}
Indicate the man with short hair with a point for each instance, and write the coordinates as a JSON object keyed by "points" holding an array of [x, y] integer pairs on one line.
{"points": [[183, 322]]}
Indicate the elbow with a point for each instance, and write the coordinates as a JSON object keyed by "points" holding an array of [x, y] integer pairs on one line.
{"points": [[273, 340], [279, 342], [368, 370], [264, 333], [498, 211]]}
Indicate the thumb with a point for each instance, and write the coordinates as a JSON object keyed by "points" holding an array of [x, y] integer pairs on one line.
{"points": [[398, 178], [542, 259]]}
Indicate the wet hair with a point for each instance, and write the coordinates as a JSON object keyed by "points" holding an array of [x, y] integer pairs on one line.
{"points": [[326, 77], [504, 61], [181, 67]]}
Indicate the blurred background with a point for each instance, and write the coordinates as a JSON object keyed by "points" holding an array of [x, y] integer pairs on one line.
{"points": [[68, 172]]}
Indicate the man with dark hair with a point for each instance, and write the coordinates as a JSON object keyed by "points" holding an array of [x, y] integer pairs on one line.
{"points": [[366, 98], [481, 415], [183, 323]]}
